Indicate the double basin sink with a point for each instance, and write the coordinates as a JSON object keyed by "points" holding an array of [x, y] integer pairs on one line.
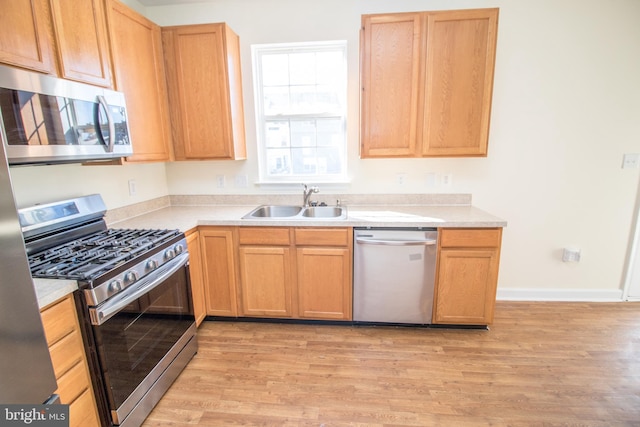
{"points": [[297, 212]]}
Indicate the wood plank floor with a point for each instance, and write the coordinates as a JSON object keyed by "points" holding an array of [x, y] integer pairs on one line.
{"points": [[540, 364]]}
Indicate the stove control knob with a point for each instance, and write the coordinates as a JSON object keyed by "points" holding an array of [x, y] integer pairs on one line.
{"points": [[130, 277], [169, 254], [115, 286], [179, 248], [151, 265]]}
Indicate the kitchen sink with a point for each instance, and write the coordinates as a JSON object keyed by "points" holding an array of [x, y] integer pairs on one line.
{"points": [[274, 211], [297, 212], [323, 212]]}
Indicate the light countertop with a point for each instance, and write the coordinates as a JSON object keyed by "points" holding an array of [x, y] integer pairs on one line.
{"points": [[186, 218], [189, 216]]}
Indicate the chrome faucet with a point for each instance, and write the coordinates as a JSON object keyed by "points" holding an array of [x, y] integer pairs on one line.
{"points": [[307, 191]]}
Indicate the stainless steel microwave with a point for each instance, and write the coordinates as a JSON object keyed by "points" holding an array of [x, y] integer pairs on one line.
{"points": [[47, 120]]}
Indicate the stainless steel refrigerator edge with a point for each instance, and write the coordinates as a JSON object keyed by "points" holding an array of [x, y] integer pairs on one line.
{"points": [[26, 372]]}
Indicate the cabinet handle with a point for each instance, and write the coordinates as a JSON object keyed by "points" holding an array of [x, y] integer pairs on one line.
{"points": [[102, 102], [396, 242]]}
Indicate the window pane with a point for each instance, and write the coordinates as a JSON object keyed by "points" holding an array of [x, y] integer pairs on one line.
{"points": [[328, 100], [303, 99], [330, 67], [276, 100], [330, 132], [277, 134], [303, 133], [279, 162], [302, 67], [304, 161], [331, 160], [275, 69]]}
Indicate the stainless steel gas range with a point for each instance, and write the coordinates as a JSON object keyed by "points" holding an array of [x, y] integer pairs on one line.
{"points": [[134, 300]]}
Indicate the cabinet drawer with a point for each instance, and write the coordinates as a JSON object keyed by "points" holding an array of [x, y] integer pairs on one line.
{"points": [[59, 320], [322, 236], [470, 238], [82, 412], [263, 236], [73, 383], [66, 353]]}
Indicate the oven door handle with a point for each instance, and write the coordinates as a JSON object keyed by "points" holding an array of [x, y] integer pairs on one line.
{"points": [[105, 311]]}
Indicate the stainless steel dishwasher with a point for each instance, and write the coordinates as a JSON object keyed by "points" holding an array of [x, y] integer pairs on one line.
{"points": [[394, 275]]}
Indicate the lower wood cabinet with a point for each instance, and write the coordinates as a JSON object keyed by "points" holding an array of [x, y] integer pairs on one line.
{"points": [[219, 270], [266, 264], [324, 264], [266, 282], [196, 276], [64, 338], [302, 273], [467, 276]]}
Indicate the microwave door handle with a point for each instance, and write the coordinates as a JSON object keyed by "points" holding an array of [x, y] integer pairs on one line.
{"points": [[111, 307], [102, 102]]}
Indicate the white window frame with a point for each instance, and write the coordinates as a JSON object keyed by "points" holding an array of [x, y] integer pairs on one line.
{"points": [[261, 119]]}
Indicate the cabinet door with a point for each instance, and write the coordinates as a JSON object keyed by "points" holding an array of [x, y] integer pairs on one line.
{"points": [[197, 277], [23, 35], [266, 281], [466, 286], [219, 271], [136, 47], [205, 93], [460, 58], [324, 283], [391, 47], [81, 39]]}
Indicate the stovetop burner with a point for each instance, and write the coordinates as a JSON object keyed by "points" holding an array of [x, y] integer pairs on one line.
{"points": [[93, 255]]}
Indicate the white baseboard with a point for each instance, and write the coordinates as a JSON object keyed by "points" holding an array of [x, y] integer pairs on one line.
{"points": [[590, 295]]}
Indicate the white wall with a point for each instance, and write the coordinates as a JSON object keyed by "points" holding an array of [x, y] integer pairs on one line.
{"points": [[42, 184], [565, 108]]}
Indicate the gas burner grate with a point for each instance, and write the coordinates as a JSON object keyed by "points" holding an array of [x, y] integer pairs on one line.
{"points": [[96, 254]]}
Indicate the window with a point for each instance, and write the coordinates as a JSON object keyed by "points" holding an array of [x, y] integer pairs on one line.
{"points": [[300, 94]]}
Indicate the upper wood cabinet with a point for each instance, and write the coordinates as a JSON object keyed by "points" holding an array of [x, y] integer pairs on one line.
{"points": [[24, 40], [136, 51], [205, 91], [427, 80], [391, 84], [81, 40]]}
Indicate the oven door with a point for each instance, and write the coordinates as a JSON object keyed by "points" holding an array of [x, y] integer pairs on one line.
{"points": [[140, 333]]}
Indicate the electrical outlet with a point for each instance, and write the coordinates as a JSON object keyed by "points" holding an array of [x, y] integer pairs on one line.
{"points": [[571, 255], [220, 181], [132, 188], [242, 181], [401, 178], [631, 161], [447, 179]]}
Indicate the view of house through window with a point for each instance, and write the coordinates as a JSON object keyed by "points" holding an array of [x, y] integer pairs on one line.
{"points": [[301, 111]]}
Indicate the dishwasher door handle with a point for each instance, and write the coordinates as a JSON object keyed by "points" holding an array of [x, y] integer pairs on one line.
{"points": [[429, 242]]}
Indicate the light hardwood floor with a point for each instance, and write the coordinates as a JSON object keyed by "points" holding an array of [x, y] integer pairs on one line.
{"points": [[540, 364]]}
